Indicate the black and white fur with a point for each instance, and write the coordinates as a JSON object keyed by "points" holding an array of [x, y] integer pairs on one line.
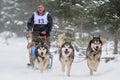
{"points": [[66, 56], [42, 57], [93, 54]]}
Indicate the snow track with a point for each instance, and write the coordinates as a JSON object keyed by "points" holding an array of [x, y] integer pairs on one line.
{"points": [[14, 57]]}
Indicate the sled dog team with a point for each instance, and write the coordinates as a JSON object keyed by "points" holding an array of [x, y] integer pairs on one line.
{"points": [[66, 54]]}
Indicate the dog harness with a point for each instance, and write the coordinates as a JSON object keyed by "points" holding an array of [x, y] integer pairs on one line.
{"points": [[33, 48]]}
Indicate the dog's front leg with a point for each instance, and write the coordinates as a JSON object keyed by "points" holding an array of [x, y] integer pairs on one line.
{"points": [[90, 65], [63, 65], [90, 56], [96, 66], [97, 61], [69, 64], [41, 66], [91, 72], [46, 64], [30, 57], [35, 64], [97, 57]]}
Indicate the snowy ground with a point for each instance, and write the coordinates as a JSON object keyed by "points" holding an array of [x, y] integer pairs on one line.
{"points": [[13, 59]]}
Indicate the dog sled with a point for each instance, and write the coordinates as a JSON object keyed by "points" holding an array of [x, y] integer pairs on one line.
{"points": [[32, 43]]}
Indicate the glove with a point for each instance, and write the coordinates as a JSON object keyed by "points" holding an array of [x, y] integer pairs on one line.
{"points": [[43, 33]]}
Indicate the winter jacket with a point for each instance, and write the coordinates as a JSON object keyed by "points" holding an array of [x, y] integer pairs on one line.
{"points": [[37, 26]]}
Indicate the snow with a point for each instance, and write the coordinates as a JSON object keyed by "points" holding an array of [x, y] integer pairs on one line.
{"points": [[18, 22], [13, 59]]}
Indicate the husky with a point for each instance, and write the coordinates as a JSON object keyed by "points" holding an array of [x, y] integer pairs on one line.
{"points": [[41, 57], [29, 44], [93, 53], [66, 56]]}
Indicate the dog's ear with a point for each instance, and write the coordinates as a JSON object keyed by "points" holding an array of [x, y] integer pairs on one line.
{"points": [[38, 45], [99, 36], [92, 37], [45, 44]]}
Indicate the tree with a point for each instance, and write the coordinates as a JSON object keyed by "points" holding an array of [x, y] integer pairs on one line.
{"points": [[108, 12]]}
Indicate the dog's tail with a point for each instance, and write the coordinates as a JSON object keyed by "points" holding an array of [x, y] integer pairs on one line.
{"points": [[61, 39]]}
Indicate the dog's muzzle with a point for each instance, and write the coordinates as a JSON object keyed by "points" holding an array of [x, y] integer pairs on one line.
{"points": [[41, 53], [66, 51], [98, 48]]}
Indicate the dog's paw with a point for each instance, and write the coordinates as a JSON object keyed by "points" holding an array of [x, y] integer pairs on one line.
{"points": [[41, 71], [95, 70], [91, 73], [63, 70], [68, 75]]}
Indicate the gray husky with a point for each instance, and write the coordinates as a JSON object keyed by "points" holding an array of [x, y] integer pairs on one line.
{"points": [[42, 57], [66, 56], [93, 54]]}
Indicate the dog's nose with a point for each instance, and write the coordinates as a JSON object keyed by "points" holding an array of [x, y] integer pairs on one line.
{"points": [[66, 49], [97, 47]]}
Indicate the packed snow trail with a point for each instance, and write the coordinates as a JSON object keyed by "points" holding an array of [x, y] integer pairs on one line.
{"points": [[14, 57]]}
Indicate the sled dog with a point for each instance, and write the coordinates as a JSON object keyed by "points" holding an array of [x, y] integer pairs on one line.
{"points": [[41, 57], [93, 54], [29, 44], [66, 56]]}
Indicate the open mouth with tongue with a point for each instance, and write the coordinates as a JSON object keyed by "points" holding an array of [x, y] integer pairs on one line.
{"points": [[66, 52], [98, 49]]}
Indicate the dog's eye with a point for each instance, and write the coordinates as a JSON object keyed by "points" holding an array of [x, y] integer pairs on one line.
{"points": [[98, 42], [95, 43], [69, 47], [43, 48], [39, 48]]}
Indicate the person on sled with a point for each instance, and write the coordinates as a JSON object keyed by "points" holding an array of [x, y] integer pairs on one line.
{"points": [[40, 23]]}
